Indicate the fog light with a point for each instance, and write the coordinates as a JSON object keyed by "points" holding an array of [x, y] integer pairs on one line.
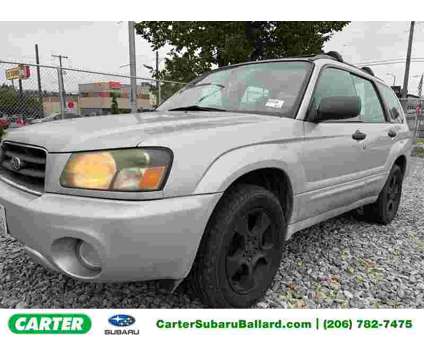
{"points": [[88, 255]]}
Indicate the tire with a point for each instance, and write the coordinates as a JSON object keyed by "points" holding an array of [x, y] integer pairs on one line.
{"points": [[385, 208], [241, 249]]}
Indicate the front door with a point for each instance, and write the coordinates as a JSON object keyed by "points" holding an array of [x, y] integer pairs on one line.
{"points": [[333, 152]]}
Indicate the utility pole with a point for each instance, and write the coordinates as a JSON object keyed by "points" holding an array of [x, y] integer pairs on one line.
{"points": [[62, 87], [21, 106], [133, 71], [20, 87], [155, 74], [40, 94], [157, 78], [408, 61]]}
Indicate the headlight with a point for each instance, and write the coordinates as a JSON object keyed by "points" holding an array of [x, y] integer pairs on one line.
{"points": [[119, 170]]}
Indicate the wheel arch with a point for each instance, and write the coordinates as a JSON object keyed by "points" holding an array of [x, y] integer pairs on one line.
{"points": [[273, 179], [271, 166]]}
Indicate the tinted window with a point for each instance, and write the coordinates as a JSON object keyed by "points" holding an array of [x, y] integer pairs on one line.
{"points": [[393, 104], [371, 109], [332, 82], [270, 88]]}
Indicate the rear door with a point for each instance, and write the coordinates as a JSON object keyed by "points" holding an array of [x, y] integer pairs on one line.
{"points": [[380, 133], [399, 129]]}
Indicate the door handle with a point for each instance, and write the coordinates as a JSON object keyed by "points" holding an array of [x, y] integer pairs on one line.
{"points": [[358, 135], [392, 133]]}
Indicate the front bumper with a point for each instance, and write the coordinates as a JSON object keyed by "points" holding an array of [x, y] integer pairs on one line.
{"points": [[135, 240]]}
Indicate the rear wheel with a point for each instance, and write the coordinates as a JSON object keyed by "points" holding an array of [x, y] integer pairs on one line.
{"points": [[385, 208], [241, 249]]}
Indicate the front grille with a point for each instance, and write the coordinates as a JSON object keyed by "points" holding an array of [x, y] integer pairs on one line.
{"points": [[23, 166]]}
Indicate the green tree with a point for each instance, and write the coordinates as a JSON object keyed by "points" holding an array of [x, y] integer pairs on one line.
{"points": [[11, 102], [199, 46], [114, 108]]}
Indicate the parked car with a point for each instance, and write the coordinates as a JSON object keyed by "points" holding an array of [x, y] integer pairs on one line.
{"points": [[53, 117], [17, 121], [211, 185], [4, 121]]}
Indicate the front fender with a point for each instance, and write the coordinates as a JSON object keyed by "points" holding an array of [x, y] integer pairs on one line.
{"points": [[231, 165]]}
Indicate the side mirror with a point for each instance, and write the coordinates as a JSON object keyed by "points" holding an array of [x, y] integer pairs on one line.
{"points": [[338, 108]]}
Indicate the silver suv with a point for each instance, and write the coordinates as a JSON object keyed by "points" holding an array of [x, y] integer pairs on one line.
{"points": [[210, 185]]}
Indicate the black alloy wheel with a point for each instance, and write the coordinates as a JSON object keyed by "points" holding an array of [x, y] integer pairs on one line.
{"points": [[386, 207], [253, 250], [393, 194], [241, 248]]}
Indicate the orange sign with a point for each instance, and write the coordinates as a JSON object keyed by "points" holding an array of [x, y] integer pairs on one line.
{"points": [[21, 72]]}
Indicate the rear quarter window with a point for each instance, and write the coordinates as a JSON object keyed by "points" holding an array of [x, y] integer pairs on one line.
{"points": [[371, 107], [396, 114]]}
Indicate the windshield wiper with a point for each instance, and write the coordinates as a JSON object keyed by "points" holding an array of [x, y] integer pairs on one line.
{"points": [[206, 84], [196, 108]]}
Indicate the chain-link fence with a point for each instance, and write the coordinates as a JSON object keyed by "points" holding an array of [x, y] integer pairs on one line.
{"points": [[414, 111], [31, 93]]}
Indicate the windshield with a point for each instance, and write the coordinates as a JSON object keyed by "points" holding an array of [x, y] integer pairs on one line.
{"points": [[265, 88]]}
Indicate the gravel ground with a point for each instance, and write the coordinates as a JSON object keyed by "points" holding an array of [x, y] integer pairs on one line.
{"points": [[339, 263]]}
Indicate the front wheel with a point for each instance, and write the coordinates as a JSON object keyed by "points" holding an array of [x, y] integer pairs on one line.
{"points": [[385, 208], [241, 249]]}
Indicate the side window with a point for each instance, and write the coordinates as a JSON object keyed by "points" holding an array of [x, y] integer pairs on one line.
{"points": [[371, 109], [395, 109], [332, 82]]}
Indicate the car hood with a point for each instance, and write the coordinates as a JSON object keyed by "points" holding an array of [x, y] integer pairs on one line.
{"points": [[128, 130]]}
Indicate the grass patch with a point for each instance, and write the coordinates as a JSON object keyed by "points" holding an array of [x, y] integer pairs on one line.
{"points": [[418, 152], [420, 141]]}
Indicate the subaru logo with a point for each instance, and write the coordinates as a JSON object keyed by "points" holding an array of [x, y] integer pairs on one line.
{"points": [[121, 320], [16, 163]]}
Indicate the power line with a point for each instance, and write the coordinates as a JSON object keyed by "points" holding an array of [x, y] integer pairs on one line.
{"points": [[390, 61]]}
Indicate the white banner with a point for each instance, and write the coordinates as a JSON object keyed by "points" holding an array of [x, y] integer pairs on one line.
{"points": [[210, 334]]}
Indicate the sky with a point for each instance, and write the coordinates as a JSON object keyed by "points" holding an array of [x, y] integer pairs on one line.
{"points": [[103, 46]]}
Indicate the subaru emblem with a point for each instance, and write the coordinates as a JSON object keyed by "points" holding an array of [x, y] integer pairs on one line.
{"points": [[121, 320], [16, 163]]}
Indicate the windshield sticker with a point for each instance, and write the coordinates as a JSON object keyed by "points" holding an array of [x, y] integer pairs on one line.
{"points": [[275, 103]]}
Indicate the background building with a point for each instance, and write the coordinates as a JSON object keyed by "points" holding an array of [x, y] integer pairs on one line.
{"points": [[51, 104], [96, 98]]}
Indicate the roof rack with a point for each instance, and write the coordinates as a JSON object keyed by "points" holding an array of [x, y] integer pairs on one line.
{"points": [[333, 55], [368, 70]]}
